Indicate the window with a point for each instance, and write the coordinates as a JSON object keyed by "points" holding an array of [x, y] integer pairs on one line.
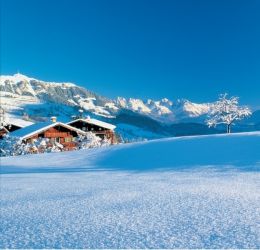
{"points": [[67, 139]]}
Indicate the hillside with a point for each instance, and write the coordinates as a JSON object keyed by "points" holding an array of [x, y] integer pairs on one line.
{"points": [[192, 192], [23, 97], [218, 151], [30, 90]]}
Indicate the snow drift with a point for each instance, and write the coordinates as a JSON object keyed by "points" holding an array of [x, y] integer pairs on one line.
{"points": [[238, 150], [193, 192]]}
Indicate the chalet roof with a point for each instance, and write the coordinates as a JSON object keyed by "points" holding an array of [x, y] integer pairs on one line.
{"points": [[19, 123], [29, 131], [95, 122]]}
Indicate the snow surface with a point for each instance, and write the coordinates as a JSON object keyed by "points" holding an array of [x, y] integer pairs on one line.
{"points": [[19, 122], [165, 110], [16, 78], [190, 192], [133, 133], [19, 92]]}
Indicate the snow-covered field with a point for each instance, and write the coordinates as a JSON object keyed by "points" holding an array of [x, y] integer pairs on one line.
{"points": [[192, 192]]}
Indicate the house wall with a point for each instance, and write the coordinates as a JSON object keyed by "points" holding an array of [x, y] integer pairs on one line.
{"points": [[86, 126], [60, 134], [97, 130]]}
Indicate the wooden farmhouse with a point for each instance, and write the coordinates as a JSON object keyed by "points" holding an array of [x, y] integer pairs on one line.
{"points": [[101, 129], [13, 126], [59, 132]]}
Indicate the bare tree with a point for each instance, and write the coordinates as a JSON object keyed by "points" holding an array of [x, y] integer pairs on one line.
{"points": [[227, 111]]}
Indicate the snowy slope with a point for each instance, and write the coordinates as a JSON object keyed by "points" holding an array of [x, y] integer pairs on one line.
{"points": [[165, 110], [23, 97], [140, 195], [19, 90]]}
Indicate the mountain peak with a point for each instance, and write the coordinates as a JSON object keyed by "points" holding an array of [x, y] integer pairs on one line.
{"points": [[70, 94], [21, 76], [23, 97], [15, 78]]}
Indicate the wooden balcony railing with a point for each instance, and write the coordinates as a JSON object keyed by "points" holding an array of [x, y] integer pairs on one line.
{"points": [[56, 134]]}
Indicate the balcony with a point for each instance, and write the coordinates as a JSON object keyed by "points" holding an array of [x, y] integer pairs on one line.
{"points": [[56, 134]]}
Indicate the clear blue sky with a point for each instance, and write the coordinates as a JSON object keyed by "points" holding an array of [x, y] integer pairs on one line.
{"points": [[134, 48]]}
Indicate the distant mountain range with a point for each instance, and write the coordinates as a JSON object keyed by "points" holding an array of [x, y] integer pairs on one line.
{"points": [[23, 97]]}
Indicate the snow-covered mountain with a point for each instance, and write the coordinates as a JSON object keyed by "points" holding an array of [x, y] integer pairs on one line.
{"points": [[28, 98], [26, 90], [19, 90], [164, 110]]}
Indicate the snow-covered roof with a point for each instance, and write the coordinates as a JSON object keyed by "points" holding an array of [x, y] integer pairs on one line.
{"points": [[95, 122], [29, 131], [20, 123]]}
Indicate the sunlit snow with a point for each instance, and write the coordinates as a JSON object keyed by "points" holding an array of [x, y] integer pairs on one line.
{"points": [[190, 192]]}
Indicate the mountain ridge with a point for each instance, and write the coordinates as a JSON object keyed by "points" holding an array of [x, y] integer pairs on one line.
{"points": [[70, 94], [26, 97]]}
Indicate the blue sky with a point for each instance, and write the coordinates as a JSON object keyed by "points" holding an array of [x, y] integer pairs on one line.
{"points": [[135, 48]]}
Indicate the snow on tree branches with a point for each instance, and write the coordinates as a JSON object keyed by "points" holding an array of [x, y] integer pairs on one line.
{"points": [[12, 146], [90, 140], [3, 118], [227, 111]]}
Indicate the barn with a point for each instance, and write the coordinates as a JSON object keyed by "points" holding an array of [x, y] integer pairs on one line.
{"points": [[101, 129]]}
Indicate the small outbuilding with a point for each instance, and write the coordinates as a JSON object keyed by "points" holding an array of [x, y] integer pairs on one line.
{"points": [[13, 126]]}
